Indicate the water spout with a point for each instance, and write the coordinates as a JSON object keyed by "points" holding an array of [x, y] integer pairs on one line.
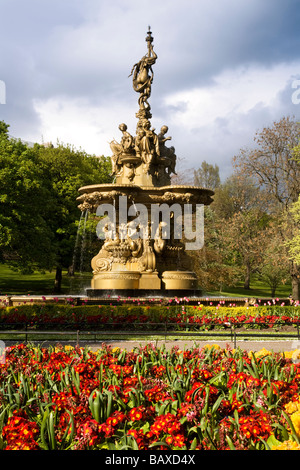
{"points": [[83, 243]]}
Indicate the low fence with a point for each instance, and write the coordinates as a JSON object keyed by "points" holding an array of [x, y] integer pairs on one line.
{"points": [[163, 329], [16, 300]]}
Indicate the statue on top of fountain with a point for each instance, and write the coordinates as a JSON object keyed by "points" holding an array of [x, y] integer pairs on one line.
{"points": [[143, 77], [143, 159]]}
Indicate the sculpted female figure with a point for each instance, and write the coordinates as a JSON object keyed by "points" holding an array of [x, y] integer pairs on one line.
{"points": [[167, 152], [143, 74], [125, 146]]}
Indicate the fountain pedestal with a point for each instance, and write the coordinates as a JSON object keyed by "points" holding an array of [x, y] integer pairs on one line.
{"points": [[150, 281]]}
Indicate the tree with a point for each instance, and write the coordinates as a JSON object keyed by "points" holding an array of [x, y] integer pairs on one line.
{"points": [[292, 224], [38, 210], [65, 170], [25, 239], [274, 269], [215, 264], [238, 194], [207, 176], [244, 234], [240, 218], [273, 164], [4, 129]]}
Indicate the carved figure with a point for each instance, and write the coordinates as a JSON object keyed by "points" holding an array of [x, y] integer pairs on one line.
{"points": [[159, 241], [124, 147], [143, 74], [146, 142], [167, 152]]}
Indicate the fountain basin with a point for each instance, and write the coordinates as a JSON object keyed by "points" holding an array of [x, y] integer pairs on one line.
{"points": [[93, 195]]}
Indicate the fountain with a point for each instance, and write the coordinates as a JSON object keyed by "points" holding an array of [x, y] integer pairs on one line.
{"points": [[143, 250]]}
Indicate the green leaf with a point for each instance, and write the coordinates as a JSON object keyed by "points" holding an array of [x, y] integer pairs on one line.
{"points": [[230, 443], [272, 441]]}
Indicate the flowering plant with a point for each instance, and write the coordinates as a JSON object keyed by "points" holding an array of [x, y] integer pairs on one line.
{"points": [[134, 317], [197, 399]]}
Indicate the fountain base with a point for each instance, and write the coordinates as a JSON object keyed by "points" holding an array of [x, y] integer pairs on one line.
{"points": [[174, 281]]}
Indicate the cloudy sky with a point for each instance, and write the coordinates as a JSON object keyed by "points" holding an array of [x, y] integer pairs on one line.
{"points": [[225, 69]]}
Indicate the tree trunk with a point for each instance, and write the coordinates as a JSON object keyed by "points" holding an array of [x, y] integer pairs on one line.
{"points": [[273, 291], [58, 279], [295, 288], [71, 270], [295, 281], [247, 277]]}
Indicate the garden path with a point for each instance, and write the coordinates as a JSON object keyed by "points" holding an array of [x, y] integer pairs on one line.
{"points": [[275, 346]]}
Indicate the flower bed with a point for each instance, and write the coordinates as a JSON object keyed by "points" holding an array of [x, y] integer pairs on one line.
{"points": [[148, 398], [132, 317]]}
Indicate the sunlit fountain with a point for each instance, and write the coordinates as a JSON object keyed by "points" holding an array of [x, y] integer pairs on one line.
{"points": [[141, 251]]}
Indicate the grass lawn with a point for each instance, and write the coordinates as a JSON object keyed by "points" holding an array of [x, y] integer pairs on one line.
{"points": [[14, 283], [258, 290]]}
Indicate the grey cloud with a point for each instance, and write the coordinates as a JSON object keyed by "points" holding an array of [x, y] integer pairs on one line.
{"points": [[86, 49]]}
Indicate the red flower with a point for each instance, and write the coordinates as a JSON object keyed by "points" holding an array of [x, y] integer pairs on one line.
{"points": [[137, 414], [20, 434]]}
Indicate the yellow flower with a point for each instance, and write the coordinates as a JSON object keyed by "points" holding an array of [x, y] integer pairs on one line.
{"points": [[295, 418], [287, 445], [296, 355], [210, 346], [287, 354], [262, 353], [292, 406]]}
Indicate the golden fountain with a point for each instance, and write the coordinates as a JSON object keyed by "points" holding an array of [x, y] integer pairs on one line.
{"points": [[142, 251]]}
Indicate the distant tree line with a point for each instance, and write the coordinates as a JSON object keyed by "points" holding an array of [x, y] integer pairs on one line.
{"points": [[252, 227]]}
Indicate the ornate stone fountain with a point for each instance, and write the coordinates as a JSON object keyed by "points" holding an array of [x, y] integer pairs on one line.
{"points": [[139, 254]]}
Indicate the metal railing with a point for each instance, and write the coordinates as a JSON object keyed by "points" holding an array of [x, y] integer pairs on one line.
{"points": [[163, 329]]}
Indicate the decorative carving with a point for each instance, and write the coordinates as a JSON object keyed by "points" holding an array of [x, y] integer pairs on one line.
{"points": [[103, 264], [179, 275], [120, 275]]}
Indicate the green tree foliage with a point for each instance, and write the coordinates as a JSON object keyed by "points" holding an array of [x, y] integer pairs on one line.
{"points": [[215, 264], [238, 194], [207, 176], [25, 240], [65, 170], [4, 129], [235, 231], [293, 223], [38, 210], [274, 267]]}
